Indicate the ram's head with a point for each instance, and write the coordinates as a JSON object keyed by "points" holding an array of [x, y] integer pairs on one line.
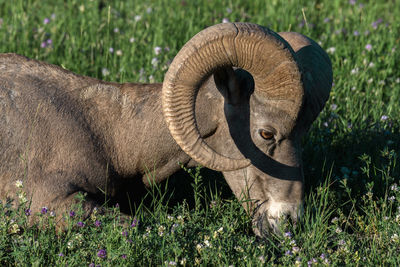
{"points": [[274, 86]]}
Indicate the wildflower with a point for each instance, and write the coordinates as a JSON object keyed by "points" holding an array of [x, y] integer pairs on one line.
{"points": [[354, 71], [261, 259], [342, 242], [352, 2], [154, 61], [116, 30], [132, 39], [239, 249], [97, 223], [370, 80], [368, 47], [14, 229], [72, 213], [173, 227], [392, 198], [119, 52], [384, 117], [199, 247], [356, 33], [325, 124], [102, 253], [80, 224], [53, 16], [43, 210], [331, 50], [366, 32], [61, 254], [375, 24], [288, 253], [49, 42], [19, 184], [225, 20], [170, 263], [43, 45], [22, 197], [207, 243], [371, 65], [82, 8], [157, 50], [105, 72], [394, 187], [134, 223], [137, 18], [123, 256], [395, 237], [295, 249], [161, 230], [353, 88], [338, 230], [288, 234], [149, 10], [46, 21], [28, 212], [52, 214], [124, 233], [111, 50], [333, 106], [323, 256], [183, 261], [326, 20], [398, 80]]}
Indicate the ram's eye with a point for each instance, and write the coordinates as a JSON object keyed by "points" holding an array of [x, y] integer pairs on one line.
{"points": [[266, 135]]}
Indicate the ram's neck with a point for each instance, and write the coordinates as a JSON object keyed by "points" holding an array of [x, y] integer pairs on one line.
{"points": [[128, 119]]}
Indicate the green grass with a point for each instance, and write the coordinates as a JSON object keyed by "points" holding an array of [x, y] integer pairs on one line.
{"points": [[352, 214]]}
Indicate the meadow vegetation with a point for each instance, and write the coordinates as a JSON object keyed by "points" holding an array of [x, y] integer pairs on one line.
{"points": [[351, 153]]}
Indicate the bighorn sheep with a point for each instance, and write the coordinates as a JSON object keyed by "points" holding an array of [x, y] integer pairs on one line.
{"points": [[62, 133]]}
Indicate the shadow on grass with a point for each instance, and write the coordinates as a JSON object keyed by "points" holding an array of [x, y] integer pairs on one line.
{"points": [[325, 150]]}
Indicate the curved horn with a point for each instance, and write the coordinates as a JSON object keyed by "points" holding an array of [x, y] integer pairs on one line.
{"points": [[317, 73], [258, 50]]}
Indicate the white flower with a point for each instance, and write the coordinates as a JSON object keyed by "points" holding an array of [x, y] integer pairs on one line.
{"points": [[395, 237], [157, 50], [225, 20], [119, 52], [398, 80], [370, 80], [371, 64], [137, 18], [154, 61], [19, 184], [199, 247], [105, 72], [331, 50], [261, 259], [338, 230], [116, 30], [207, 243], [392, 198], [183, 261], [394, 187], [132, 39], [354, 71]]}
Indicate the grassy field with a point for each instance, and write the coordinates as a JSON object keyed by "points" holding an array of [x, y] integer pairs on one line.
{"points": [[351, 154]]}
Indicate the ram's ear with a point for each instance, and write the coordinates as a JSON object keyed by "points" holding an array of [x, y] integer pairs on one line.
{"points": [[234, 84]]}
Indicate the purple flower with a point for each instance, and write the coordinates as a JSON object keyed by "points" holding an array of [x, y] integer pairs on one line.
{"points": [[225, 20], [356, 33], [323, 256], [28, 212], [117, 205], [61, 254], [123, 256], [102, 253], [91, 265], [72, 213], [384, 117], [326, 20], [288, 253], [81, 224], [368, 47], [125, 233], [46, 21], [43, 44], [375, 24], [97, 223], [111, 50], [352, 2], [288, 234], [49, 41], [333, 106], [44, 210], [134, 223]]}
